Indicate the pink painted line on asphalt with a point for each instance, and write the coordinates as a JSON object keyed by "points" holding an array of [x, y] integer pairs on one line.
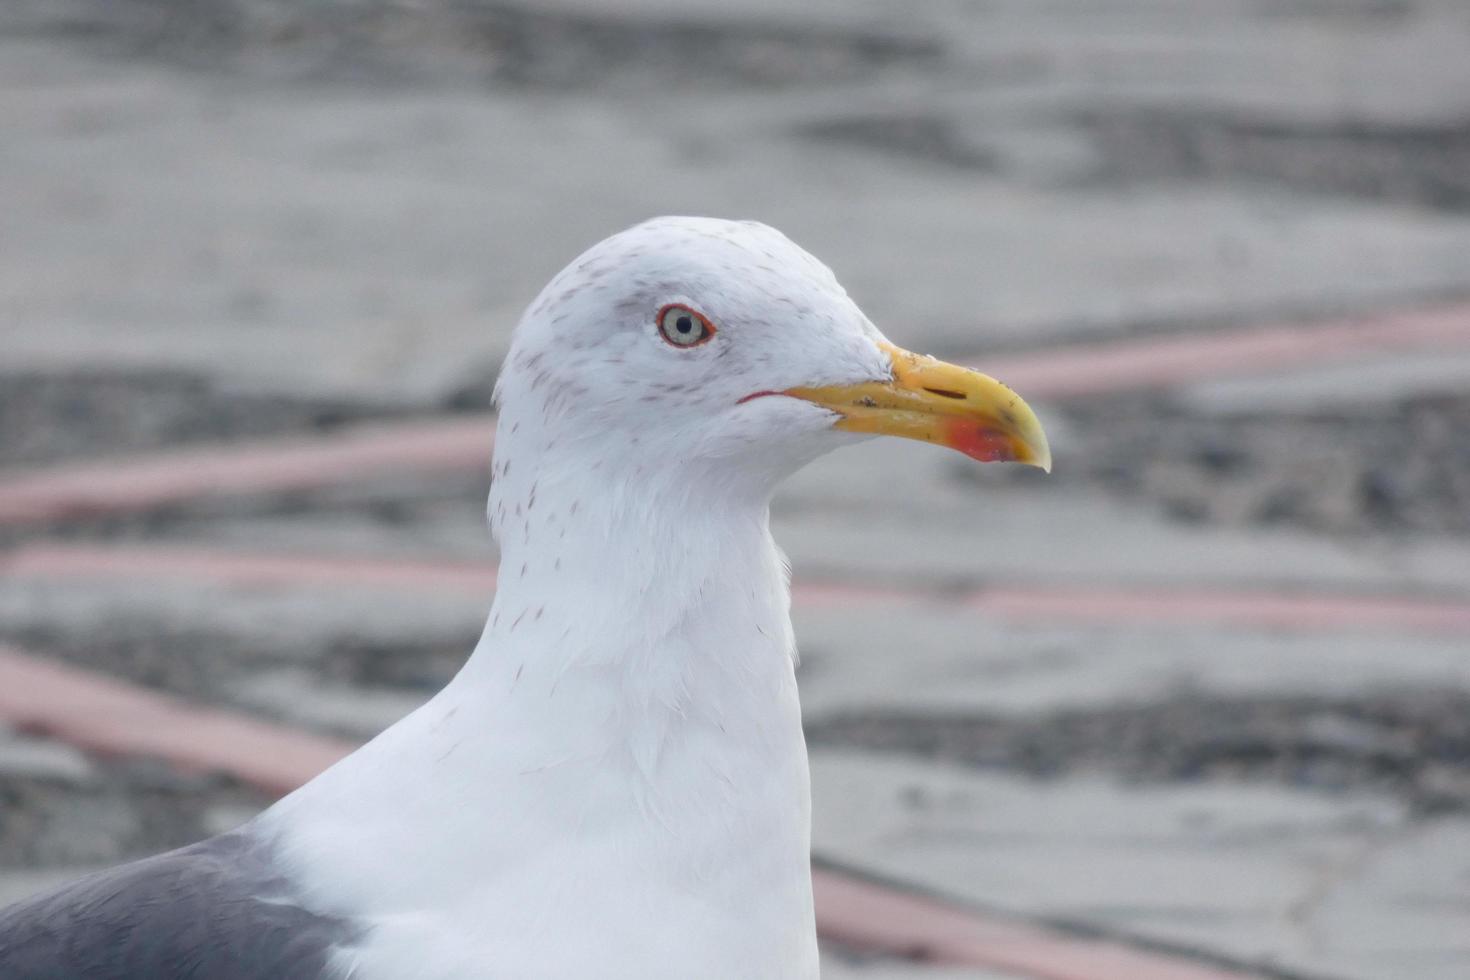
{"points": [[244, 571], [1271, 610], [112, 717], [175, 476], [1170, 361], [1145, 604], [1134, 605], [462, 443], [882, 919]]}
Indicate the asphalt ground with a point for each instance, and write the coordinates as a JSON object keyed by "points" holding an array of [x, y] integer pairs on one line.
{"points": [[1201, 691]]}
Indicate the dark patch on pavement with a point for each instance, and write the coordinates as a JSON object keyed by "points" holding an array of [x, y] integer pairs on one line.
{"points": [[122, 809], [929, 138], [49, 417], [1383, 468], [1414, 745], [1352, 11], [378, 41], [1426, 164]]}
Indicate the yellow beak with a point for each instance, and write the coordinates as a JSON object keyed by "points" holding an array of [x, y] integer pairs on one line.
{"points": [[940, 403]]}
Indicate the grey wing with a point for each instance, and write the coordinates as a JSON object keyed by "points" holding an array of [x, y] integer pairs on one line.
{"points": [[217, 910]]}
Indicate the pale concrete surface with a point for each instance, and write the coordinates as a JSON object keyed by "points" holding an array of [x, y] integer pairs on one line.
{"points": [[37, 758], [886, 510], [867, 659], [381, 241], [1360, 386], [1276, 878]]}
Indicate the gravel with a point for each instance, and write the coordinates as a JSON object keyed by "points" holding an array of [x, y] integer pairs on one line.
{"points": [[46, 418], [1425, 164], [497, 43], [1395, 469], [1413, 745], [124, 809]]}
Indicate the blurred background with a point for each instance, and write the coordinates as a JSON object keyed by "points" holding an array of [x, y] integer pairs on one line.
{"points": [[1206, 688]]}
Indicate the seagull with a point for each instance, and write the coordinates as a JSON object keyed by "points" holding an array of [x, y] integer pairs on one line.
{"points": [[615, 784]]}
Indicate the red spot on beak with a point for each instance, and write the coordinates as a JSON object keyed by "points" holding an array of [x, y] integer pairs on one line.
{"points": [[978, 441]]}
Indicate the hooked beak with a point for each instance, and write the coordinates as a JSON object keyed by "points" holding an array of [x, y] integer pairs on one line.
{"points": [[940, 403]]}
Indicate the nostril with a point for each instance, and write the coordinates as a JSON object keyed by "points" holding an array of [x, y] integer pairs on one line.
{"points": [[946, 393]]}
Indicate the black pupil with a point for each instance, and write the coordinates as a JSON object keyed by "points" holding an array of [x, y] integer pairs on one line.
{"points": [[684, 324]]}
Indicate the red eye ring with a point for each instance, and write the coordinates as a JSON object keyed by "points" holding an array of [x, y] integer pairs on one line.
{"points": [[683, 327]]}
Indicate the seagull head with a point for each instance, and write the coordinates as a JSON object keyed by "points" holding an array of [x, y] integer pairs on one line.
{"points": [[696, 343]]}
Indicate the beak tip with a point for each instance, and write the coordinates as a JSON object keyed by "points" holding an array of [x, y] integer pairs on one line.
{"points": [[1042, 459]]}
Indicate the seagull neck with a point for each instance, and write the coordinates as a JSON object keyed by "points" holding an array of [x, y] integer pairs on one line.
{"points": [[630, 715], [676, 552]]}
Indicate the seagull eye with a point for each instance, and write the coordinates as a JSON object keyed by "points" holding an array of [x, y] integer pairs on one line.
{"points": [[684, 327]]}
